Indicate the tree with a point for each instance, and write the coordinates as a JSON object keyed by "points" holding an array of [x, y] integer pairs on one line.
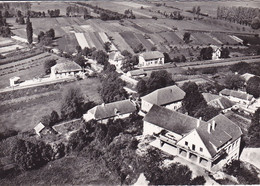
{"points": [[100, 56], [72, 103], [193, 98], [224, 53], [254, 130], [29, 31], [199, 180], [153, 48], [41, 36], [107, 46], [255, 23], [234, 81], [253, 86], [139, 48], [80, 60], [159, 79], [50, 33], [241, 67], [141, 87], [167, 58], [206, 112], [54, 118], [186, 37], [206, 53], [48, 64]]}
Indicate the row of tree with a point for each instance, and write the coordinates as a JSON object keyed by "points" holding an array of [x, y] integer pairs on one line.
{"points": [[241, 15], [77, 10]]}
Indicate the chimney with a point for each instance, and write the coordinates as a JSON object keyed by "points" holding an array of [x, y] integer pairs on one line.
{"points": [[198, 122], [213, 125], [209, 127]]}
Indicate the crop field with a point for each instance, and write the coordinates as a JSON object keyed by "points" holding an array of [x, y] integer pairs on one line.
{"points": [[67, 43], [119, 41], [204, 38], [224, 38], [130, 38], [96, 41], [147, 44], [171, 37]]}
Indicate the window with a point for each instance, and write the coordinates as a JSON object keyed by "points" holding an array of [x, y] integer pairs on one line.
{"points": [[201, 149], [186, 143], [193, 147]]}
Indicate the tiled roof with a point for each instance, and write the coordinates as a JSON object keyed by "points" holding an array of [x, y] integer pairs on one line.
{"points": [[66, 67], [152, 55], [209, 97], [236, 94], [217, 101], [171, 120], [112, 109], [182, 124], [137, 72], [165, 95], [225, 131], [115, 56]]}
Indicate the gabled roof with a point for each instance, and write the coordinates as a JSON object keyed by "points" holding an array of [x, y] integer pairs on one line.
{"points": [[224, 132], [115, 56], [39, 127], [137, 72], [217, 101], [171, 120], [236, 94], [66, 67], [165, 95], [182, 124], [247, 76], [152, 55], [112, 109], [209, 97]]}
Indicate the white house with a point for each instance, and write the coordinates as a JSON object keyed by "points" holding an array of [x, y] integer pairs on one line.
{"points": [[216, 52], [207, 144], [217, 101], [152, 58], [115, 110], [238, 97], [14, 81], [67, 69], [170, 97], [116, 58], [39, 128]]}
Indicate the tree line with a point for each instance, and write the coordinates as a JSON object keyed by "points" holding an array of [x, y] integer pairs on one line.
{"points": [[241, 15]]}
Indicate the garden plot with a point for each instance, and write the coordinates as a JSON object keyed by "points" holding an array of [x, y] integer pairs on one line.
{"points": [[87, 28], [224, 38], [171, 37], [214, 38], [5, 42], [67, 43], [159, 41], [96, 41], [204, 38], [147, 44], [89, 40], [130, 39], [7, 49], [120, 42], [105, 39], [82, 40]]}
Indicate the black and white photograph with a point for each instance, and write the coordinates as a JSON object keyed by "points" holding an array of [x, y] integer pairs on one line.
{"points": [[130, 92]]}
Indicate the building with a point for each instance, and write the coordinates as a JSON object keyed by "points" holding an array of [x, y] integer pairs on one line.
{"points": [[68, 69], [216, 52], [102, 113], [40, 128], [170, 97], [247, 76], [14, 81], [152, 58], [116, 58], [136, 73], [217, 101], [208, 144], [238, 97]]}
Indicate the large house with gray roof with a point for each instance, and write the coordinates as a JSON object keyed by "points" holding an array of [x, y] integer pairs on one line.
{"points": [[170, 97], [208, 144], [151, 58], [239, 97], [66, 69], [115, 110]]}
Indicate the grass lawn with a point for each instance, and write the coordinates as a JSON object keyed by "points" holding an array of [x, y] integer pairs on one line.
{"points": [[68, 170]]}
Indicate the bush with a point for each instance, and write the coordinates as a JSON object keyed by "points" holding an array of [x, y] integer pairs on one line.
{"points": [[48, 64]]}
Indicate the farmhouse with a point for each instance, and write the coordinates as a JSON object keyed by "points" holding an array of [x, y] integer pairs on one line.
{"points": [[239, 97], [152, 58], [116, 58], [206, 144], [170, 97], [68, 69], [216, 52], [102, 113], [217, 101], [14, 81]]}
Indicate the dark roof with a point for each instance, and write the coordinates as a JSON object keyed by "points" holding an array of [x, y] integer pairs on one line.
{"points": [[236, 94], [225, 131], [217, 101], [165, 95], [171, 120], [112, 109], [182, 124], [152, 55], [67, 67]]}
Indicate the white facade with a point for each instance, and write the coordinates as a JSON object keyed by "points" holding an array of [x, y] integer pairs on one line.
{"points": [[146, 106], [117, 60], [216, 54], [174, 106], [150, 62]]}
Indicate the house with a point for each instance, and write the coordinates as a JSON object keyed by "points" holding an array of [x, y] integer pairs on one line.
{"points": [[152, 58], [136, 73], [247, 76], [170, 97], [14, 81], [116, 58], [239, 97], [115, 110], [216, 52], [207, 144], [39, 128], [217, 101], [67, 69]]}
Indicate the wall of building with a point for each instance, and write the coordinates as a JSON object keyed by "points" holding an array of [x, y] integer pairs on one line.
{"points": [[153, 62], [150, 129], [146, 106], [174, 106], [88, 116]]}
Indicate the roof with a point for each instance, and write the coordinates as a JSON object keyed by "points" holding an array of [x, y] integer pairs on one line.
{"points": [[39, 127], [115, 56], [165, 95], [137, 72], [152, 55], [66, 67], [236, 94], [217, 101], [15, 78], [182, 124], [112, 109], [247, 76], [171, 120], [224, 132]]}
